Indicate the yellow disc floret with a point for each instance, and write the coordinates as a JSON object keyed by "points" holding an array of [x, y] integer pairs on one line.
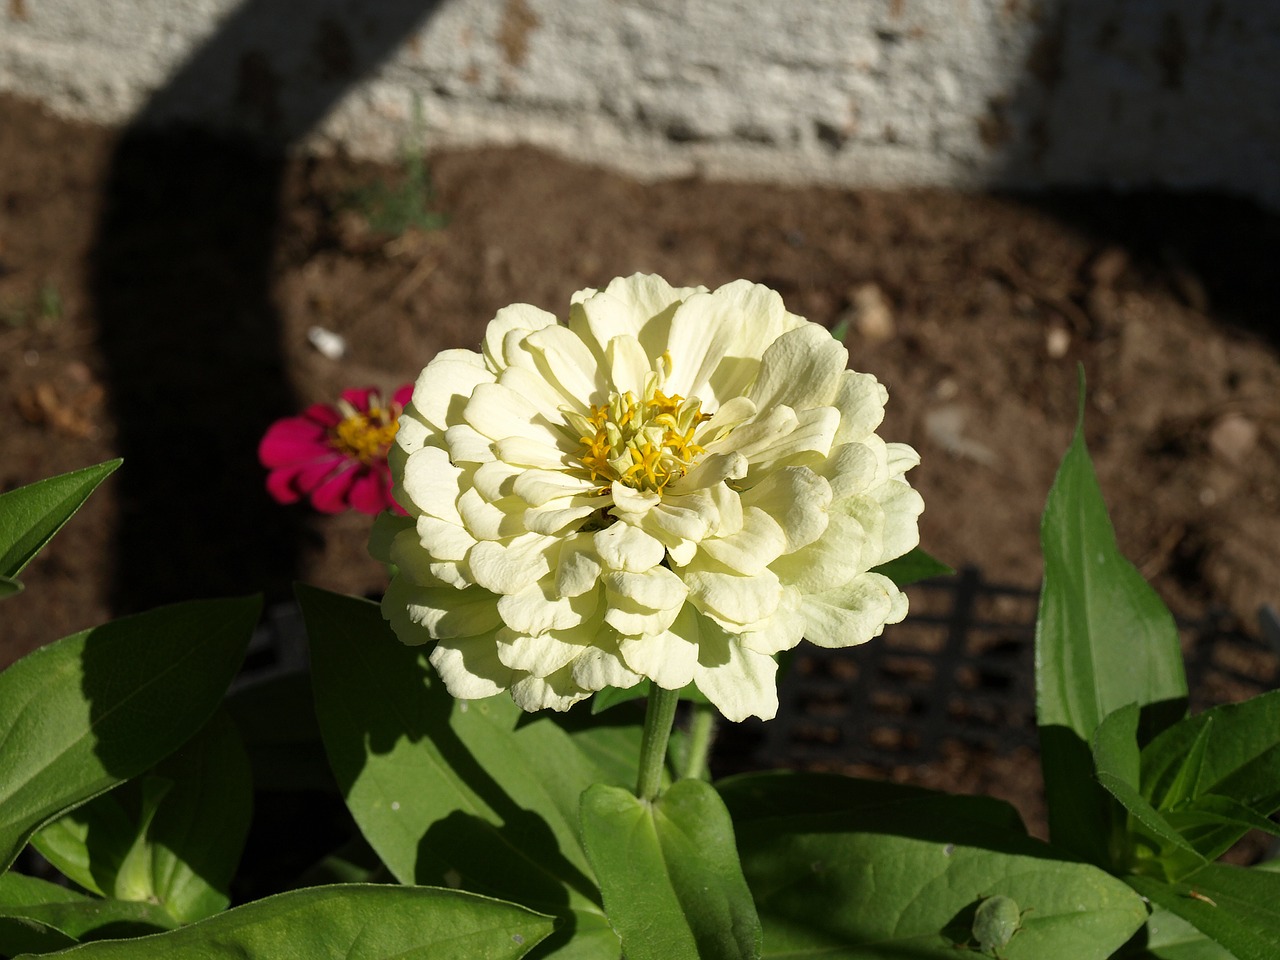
{"points": [[364, 435], [644, 441]]}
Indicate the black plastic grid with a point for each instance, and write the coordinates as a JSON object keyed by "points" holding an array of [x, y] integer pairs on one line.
{"points": [[959, 669]]}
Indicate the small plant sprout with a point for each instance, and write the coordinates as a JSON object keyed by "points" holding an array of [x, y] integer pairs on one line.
{"points": [[996, 921]]}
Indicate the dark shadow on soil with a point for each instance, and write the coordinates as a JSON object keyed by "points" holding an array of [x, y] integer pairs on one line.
{"points": [[181, 268]]}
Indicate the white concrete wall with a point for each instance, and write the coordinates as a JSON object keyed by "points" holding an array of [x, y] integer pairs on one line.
{"points": [[883, 92]]}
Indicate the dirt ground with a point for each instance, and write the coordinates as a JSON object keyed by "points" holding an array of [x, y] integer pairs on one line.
{"points": [[156, 296]]}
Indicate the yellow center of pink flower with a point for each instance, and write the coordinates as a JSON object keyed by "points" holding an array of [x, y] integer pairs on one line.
{"points": [[364, 435]]}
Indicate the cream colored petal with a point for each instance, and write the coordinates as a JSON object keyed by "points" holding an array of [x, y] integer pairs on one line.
{"points": [[511, 566], [740, 682], [685, 517], [902, 506], [853, 468], [499, 412], [537, 609], [496, 479], [557, 692], [731, 413], [412, 432], [716, 340], [640, 306], [710, 470], [801, 369], [681, 552], [432, 484], [437, 539], [544, 455], [470, 668], [499, 520], [808, 443], [554, 518], [668, 658], [632, 505], [833, 559], [445, 384], [860, 398], [595, 669], [465, 445], [531, 383], [733, 598], [568, 366], [628, 365], [760, 541], [537, 487], [902, 458], [624, 547], [654, 589], [853, 613], [782, 631], [797, 499], [578, 568], [538, 656], [517, 317], [396, 612], [447, 613], [758, 434]]}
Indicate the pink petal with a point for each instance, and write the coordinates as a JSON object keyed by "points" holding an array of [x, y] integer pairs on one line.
{"points": [[359, 398], [290, 440], [404, 395], [371, 493], [330, 496], [324, 414]]}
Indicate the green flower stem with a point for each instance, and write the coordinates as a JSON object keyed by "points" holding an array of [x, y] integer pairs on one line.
{"points": [[702, 729], [658, 717]]}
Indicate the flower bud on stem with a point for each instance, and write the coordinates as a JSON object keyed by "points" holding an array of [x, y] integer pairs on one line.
{"points": [[658, 718]]}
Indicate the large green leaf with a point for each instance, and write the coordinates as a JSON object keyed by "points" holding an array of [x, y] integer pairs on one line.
{"points": [[1167, 936], [852, 870], [171, 837], [31, 515], [94, 709], [39, 917], [672, 883], [1150, 835], [277, 721], [449, 792], [1196, 770], [355, 922], [1103, 640], [1235, 907]]}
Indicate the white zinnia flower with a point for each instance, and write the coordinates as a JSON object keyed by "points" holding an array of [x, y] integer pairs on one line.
{"points": [[675, 484]]}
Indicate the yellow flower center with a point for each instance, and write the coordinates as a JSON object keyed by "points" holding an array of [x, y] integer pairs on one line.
{"points": [[364, 435], [644, 441]]}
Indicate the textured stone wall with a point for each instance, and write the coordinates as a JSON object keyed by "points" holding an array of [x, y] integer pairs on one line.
{"points": [[886, 92]]}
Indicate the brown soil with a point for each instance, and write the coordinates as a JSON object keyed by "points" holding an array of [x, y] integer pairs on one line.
{"points": [[155, 297]]}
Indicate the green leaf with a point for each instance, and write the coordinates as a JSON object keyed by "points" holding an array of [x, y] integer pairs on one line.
{"points": [[1117, 764], [94, 709], [171, 837], [913, 566], [9, 587], [1230, 752], [1237, 908], [449, 792], [39, 917], [672, 883], [856, 870], [31, 515], [1168, 937], [1103, 640], [368, 922]]}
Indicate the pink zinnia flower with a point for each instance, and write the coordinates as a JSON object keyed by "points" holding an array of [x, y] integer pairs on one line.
{"points": [[336, 455]]}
